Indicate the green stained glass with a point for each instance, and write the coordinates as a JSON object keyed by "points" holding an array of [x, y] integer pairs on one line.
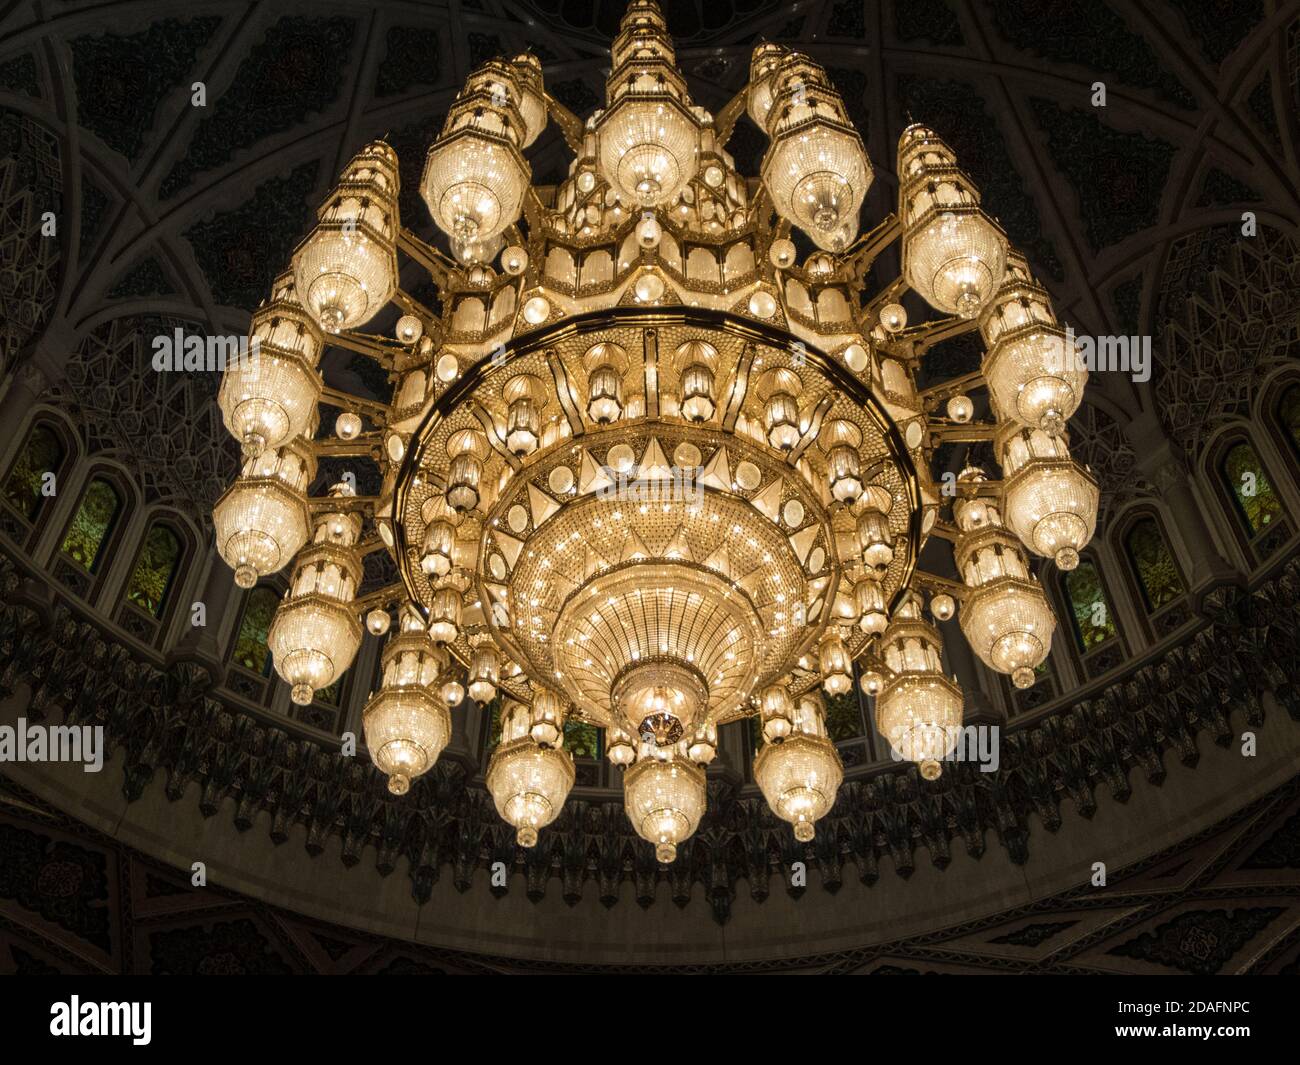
{"points": [[493, 711], [843, 721], [84, 541], [151, 579], [1089, 609], [582, 740], [1156, 570], [1289, 415], [330, 696], [42, 454], [1252, 491], [251, 651]]}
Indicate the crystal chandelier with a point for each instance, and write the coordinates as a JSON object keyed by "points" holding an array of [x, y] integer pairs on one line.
{"points": [[642, 468]]}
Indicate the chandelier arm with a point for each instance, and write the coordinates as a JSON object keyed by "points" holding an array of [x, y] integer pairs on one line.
{"points": [[411, 305], [891, 293], [780, 293], [957, 433], [871, 660], [867, 248], [570, 124], [945, 531], [363, 446], [934, 395], [650, 356], [926, 335], [440, 268], [761, 212], [383, 597], [763, 208], [982, 489], [564, 393], [739, 388], [814, 427], [335, 397], [535, 211], [382, 351], [493, 435], [343, 504], [932, 582], [724, 122]]}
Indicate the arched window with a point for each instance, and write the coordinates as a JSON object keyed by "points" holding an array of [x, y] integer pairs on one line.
{"points": [[1288, 416], [1256, 502], [492, 725], [581, 739], [88, 533], [330, 695], [753, 742], [28, 484], [155, 569], [1090, 612], [843, 718], [251, 651], [1153, 563]]}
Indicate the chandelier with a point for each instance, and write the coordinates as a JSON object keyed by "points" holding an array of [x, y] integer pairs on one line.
{"points": [[641, 466]]}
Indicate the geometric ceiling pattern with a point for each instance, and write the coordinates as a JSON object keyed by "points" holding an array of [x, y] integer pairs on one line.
{"points": [[1231, 311], [190, 211]]}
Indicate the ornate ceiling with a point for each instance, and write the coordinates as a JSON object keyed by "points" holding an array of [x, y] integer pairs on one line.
{"points": [[73, 900], [184, 213], [172, 214]]}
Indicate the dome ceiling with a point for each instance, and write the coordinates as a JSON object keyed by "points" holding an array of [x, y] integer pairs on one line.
{"points": [[176, 215], [187, 211]]}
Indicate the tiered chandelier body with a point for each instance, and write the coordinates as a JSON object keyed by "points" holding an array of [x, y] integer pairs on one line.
{"points": [[643, 468]]}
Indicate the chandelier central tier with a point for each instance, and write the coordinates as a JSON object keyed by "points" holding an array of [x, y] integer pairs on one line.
{"points": [[663, 566]]}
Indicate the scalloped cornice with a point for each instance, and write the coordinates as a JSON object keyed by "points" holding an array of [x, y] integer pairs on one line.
{"points": [[167, 720]]}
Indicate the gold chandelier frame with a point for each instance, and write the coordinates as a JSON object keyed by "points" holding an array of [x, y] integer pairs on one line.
{"points": [[651, 319]]}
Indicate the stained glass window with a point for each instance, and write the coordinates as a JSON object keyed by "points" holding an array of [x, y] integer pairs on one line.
{"points": [[88, 533], [1288, 412], [330, 696], [251, 651], [582, 740], [1252, 491], [493, 713], [843, 721], [1154, 564], [24, 487], [1094, 622], [151, 580]]}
